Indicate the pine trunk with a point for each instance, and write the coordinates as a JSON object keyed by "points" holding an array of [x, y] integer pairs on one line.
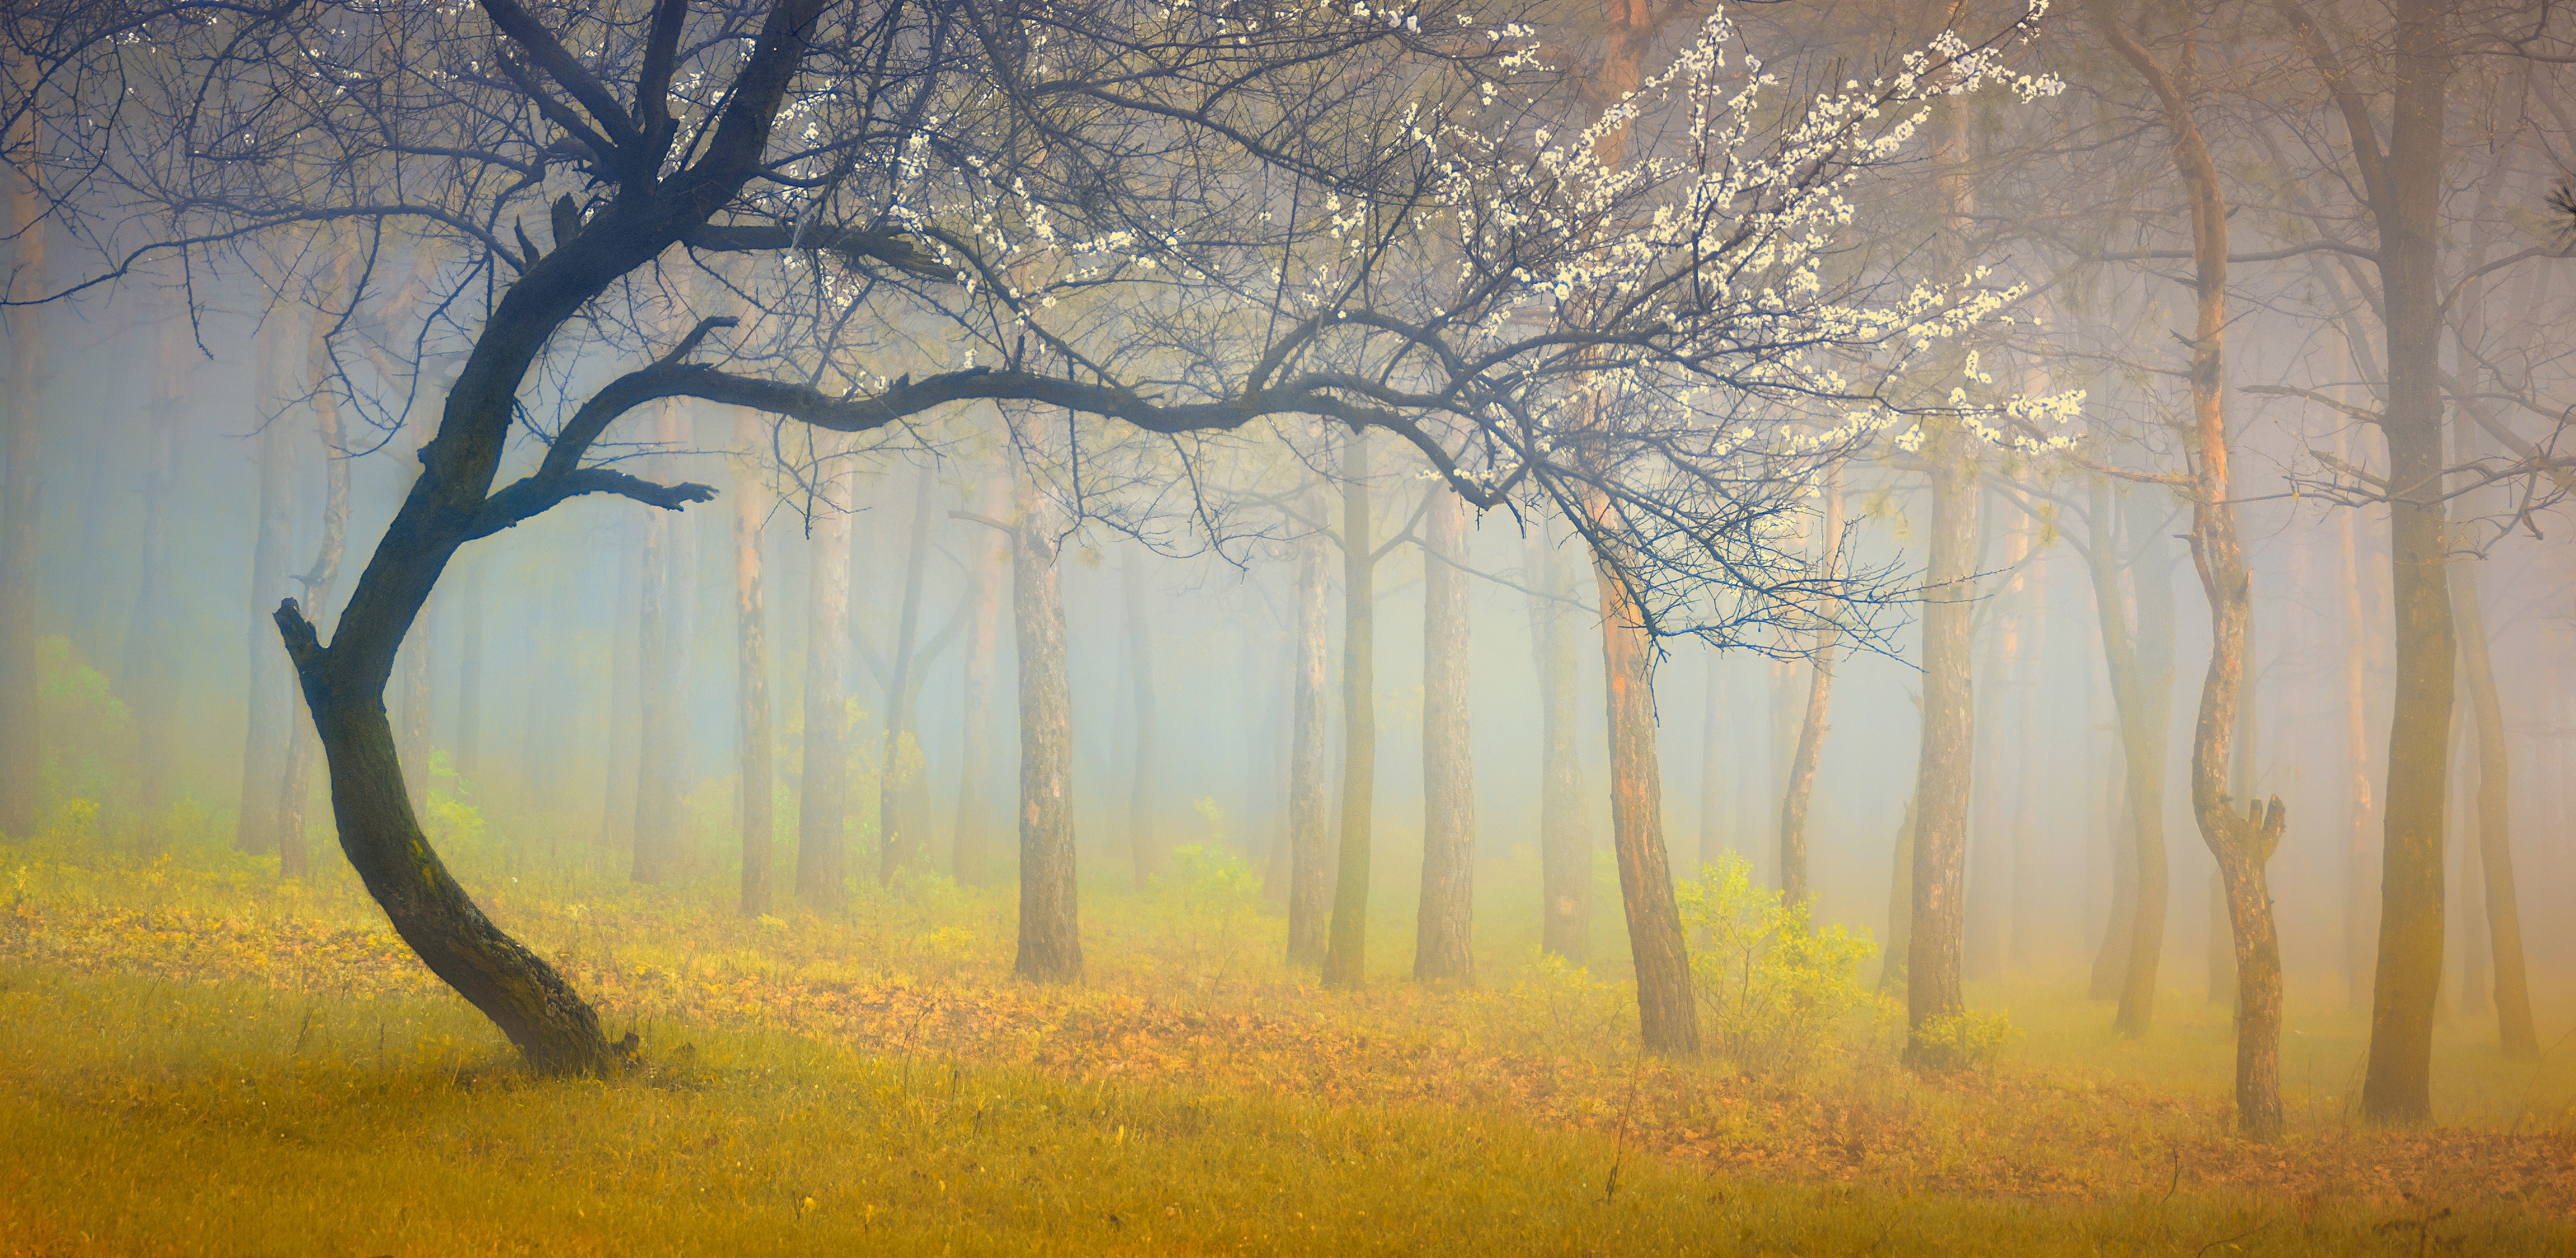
{"points": [[1050, 948], [1942, 776]]}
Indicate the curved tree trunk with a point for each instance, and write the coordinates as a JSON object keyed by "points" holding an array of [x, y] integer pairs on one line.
{"points": [[1310, 874], [1444, 924], [1050, 932], [751, 672], [1346, 946], [1564, 832]]}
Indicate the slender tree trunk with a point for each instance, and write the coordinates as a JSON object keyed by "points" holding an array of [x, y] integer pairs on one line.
{"points": [[1050, 931], [1811, 728], [968, 861], [1900, 911], [897, 767], [1668, 1022], [2358, 912], [2495, 834], [466, 757], [1444, 924], [2145, 703], [660, 705], [1346, 947], [1564, 832], [297, 789], [1949, 739], [2397, 1086], [1141, 845], [1712, 762], [1310, 874], [2111, 956], [624, 741], [823, 799], [21, 521], [264, 741], [2032, 771], [145, 671], [751, 670]]}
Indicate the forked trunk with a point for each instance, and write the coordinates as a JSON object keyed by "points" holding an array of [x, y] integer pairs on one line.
{"points": [[1443, 927]]}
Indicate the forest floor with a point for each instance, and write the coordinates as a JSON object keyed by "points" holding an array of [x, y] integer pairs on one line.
{"points": [[188, 1055]]}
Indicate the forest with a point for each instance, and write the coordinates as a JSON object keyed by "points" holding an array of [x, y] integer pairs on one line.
{"points": [[1287, 626]]}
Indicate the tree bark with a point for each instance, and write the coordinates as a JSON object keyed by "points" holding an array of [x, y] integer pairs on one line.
{"points": [[1346, 946], [1668, 1021], [1942, 774], [968, 862], [1564, 831], [1310, 875], [2515, 1032], [823, 795], [297, 788], [21, 520], [898, 764], [1811, 726], [751, 670], [1444, 923], [1141, 846], [1050, 933], [264, 739]]}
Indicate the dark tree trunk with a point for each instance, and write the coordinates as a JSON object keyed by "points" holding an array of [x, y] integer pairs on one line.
{"points": [[898, 764], [264, 739], [317, 582], [968, 861], [2495, 833], [1564, 833], [751, 672], [1310, 874], [823, 797], [1050, 929], [1346, 947], [1141, 846], [1444, 924], [1811, 727], [1949, 738], [1668, 1022], [21, 522]]}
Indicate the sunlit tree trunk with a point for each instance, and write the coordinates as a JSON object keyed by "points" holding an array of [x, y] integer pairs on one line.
{"points": [[1346, 945], [751, 668], [1050, 947], [898, 762], [968, 861], [823, 795], [1564, 831], [1443, 930], [21, 523], [1811, 727], [297, 789], [2520, 1039], [264, 739], [1310, 873], [1142, 848]]}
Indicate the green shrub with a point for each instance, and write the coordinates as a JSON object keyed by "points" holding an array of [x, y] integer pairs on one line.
{"points": [[1774, 989], [1205, 902], [1963, 1041]]}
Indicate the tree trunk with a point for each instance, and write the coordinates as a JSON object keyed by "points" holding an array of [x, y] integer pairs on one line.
{"points": [[21, 522], [1444, 924], [751, 670], [1050, 932], [297, 789], [1310, 875], [1949, 738], [823, 797], [1713, 830], [659, 705], [264, 740], [617, 796], [466, 753], [2495, 835], [2141, 667], [1668, 1022], [899, 763], [1811, 727], [2397, 1086], [1900, 911], [2357, 906], [1564, 832], [1346, 947], [1141, 846], [968, 861], [145, 671], [2032, 772]]}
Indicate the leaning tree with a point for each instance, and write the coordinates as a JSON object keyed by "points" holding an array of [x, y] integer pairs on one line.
{"points": [[1172, 219]]}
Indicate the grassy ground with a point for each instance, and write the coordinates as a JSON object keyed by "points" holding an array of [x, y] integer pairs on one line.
{"points": [[195, 1061]]}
